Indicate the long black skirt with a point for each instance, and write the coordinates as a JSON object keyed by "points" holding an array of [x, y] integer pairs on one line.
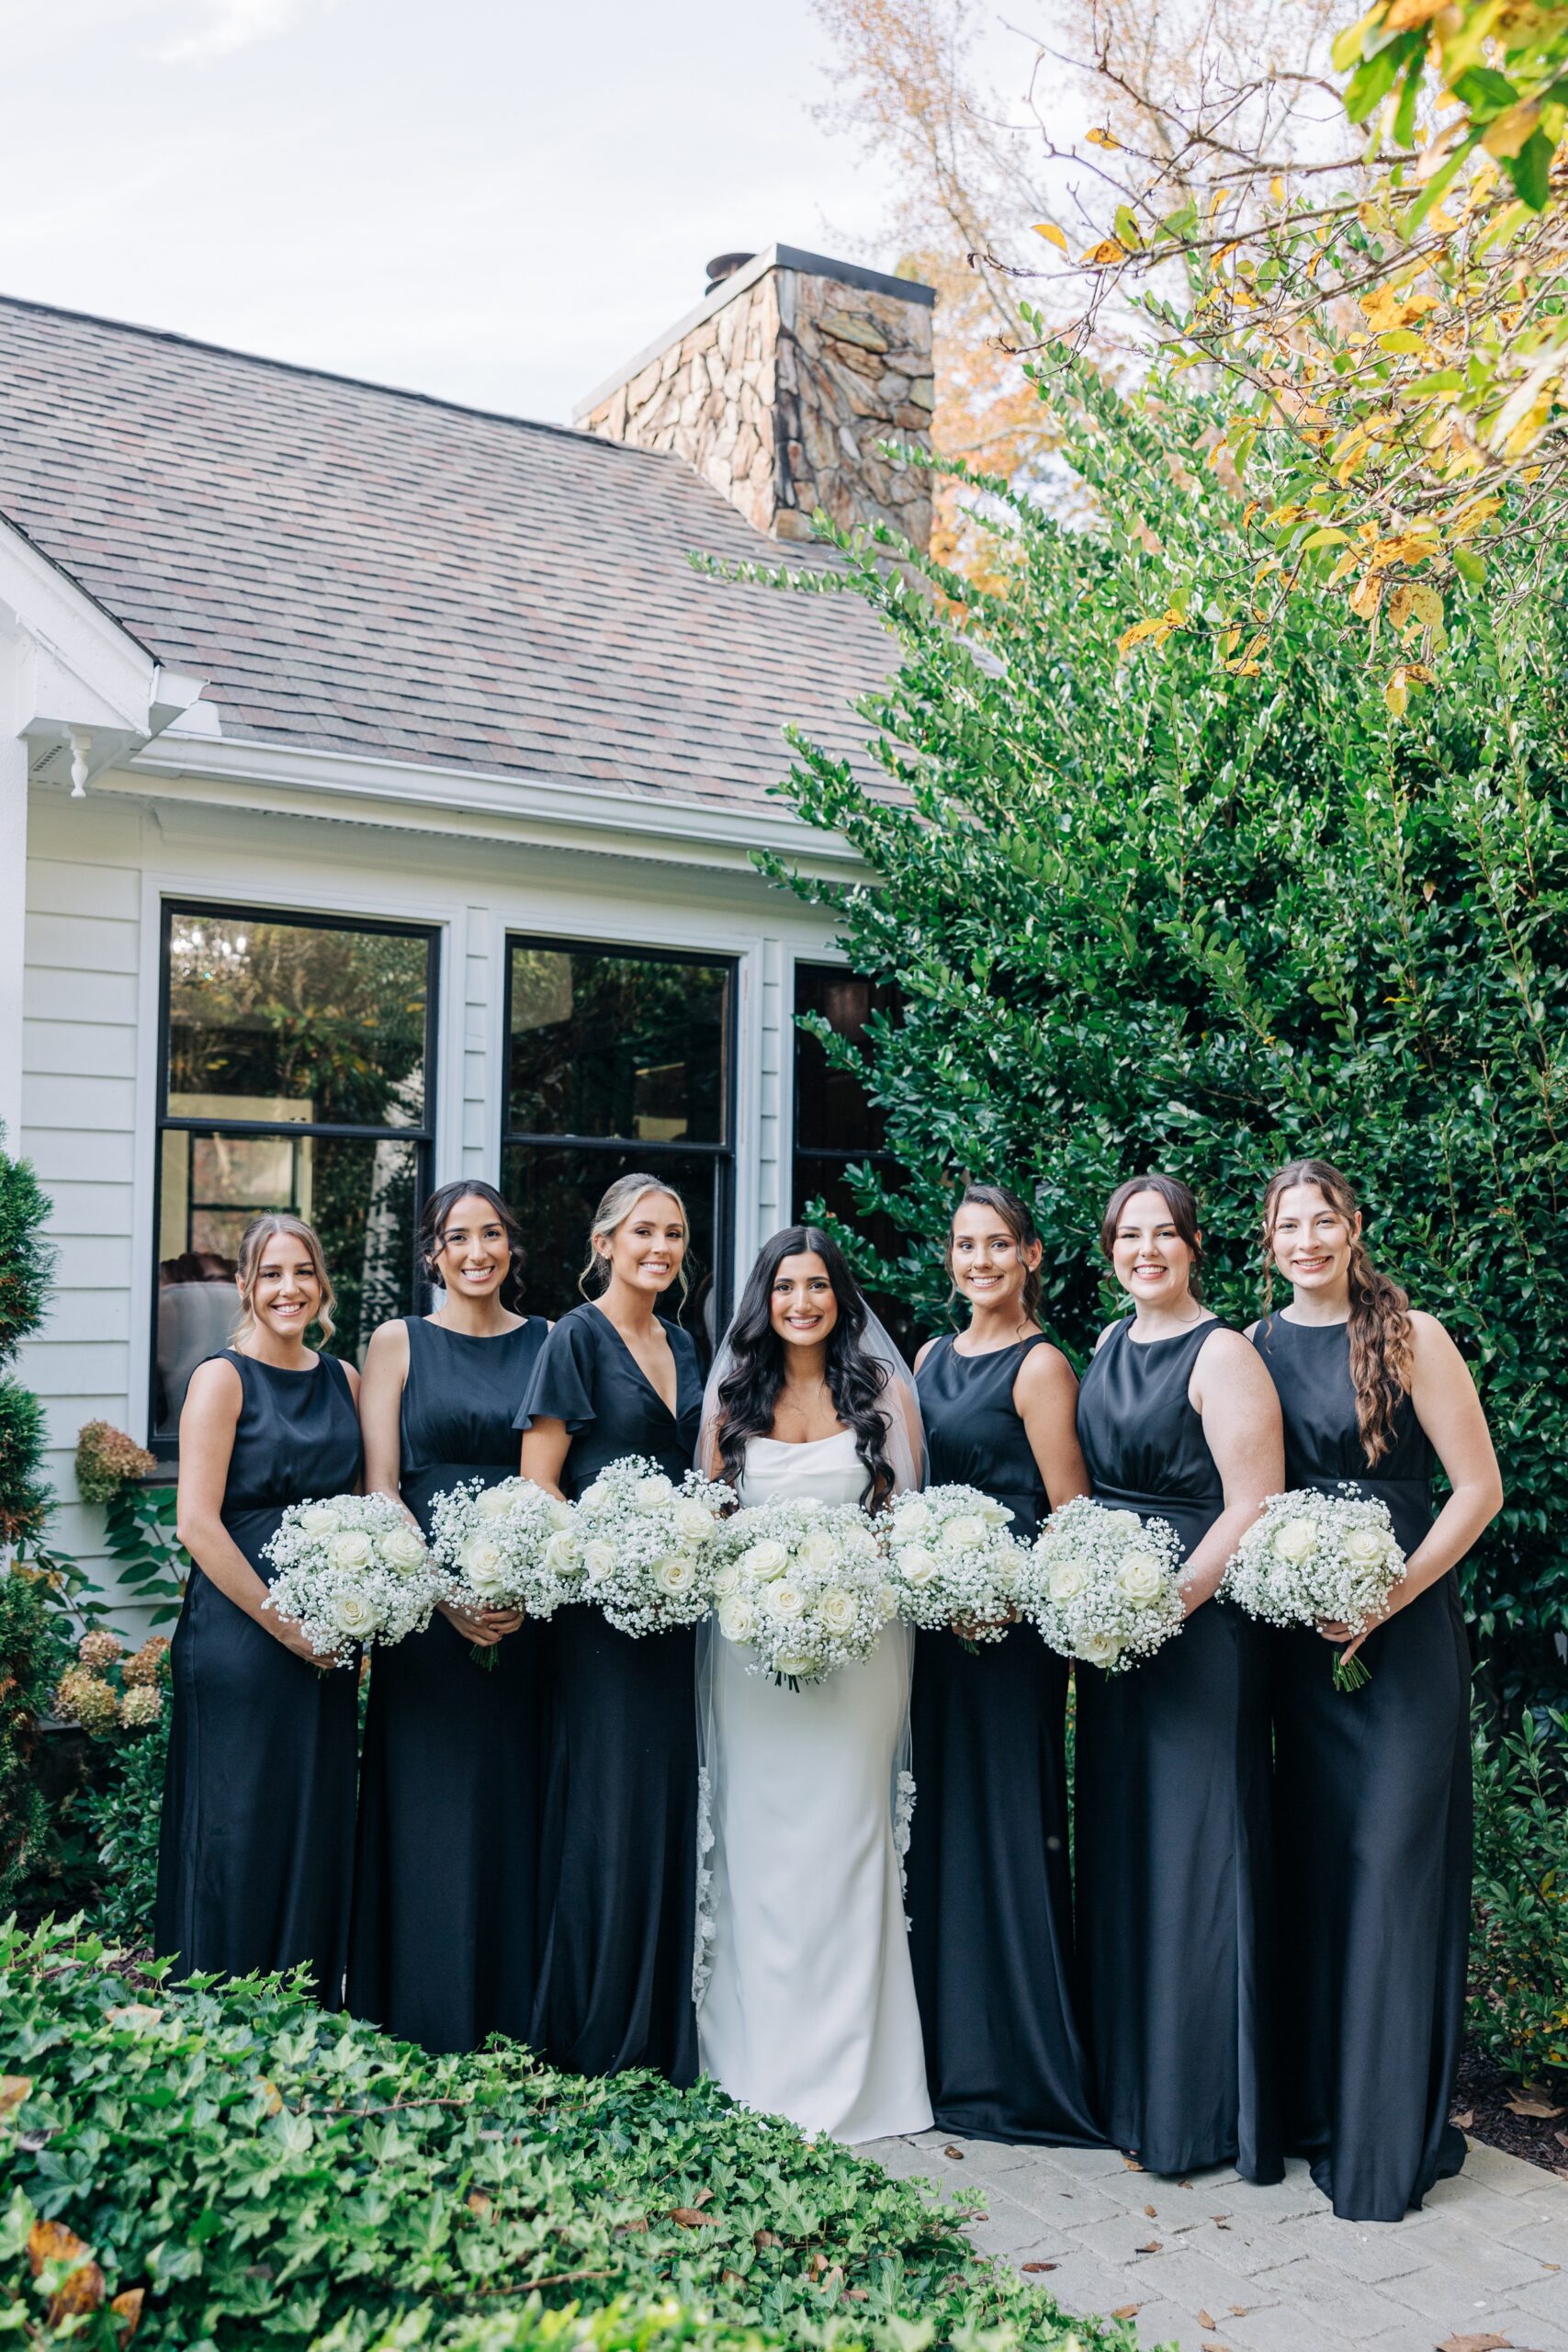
{"points": [[618, 1850], [990, 1894], [1373, 1793], [1174, 1909], [255, 1854], [444, 1935]]}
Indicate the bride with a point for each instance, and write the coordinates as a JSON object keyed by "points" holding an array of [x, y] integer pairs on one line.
{"points": [[804, 1992]]}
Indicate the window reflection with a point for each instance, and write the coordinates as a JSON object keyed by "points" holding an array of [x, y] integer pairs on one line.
{"points": [[609, 1044]]}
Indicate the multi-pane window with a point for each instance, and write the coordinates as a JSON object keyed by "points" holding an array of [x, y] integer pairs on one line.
{"points": [[835, 1121], [619, 1059], [298, 1074]]}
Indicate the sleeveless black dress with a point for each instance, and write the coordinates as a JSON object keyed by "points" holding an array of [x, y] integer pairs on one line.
{"points": [[444, 1938], [1172, 1845], [989, 1888], [618, 1849], [1372, 1823], [255, 1852]]}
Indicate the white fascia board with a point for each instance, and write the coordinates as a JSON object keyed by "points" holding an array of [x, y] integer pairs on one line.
{"points": [[356, 788]]}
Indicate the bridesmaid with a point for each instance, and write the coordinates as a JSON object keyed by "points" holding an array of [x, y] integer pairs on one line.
{"points": [[1180, 1421], [442, 1947], [1372, 1799], [990, 1898], [618, 1854], [255, 1852]]}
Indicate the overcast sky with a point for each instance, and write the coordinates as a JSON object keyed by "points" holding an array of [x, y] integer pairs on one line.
{"points": [[498, 200]]}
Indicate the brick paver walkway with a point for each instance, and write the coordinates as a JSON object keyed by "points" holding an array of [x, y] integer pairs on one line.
{"points": [[1211, 2262]]}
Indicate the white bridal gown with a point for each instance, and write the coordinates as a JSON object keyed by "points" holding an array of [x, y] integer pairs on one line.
{"points": [[806, 1997]]}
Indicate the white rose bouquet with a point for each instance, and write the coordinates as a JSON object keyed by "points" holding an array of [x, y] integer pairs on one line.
{"points": [[1106, 1584], [506, 1546], [803, 1586], [351, 1570], [1314, 1559], [646, 1547], [952, 1561]]}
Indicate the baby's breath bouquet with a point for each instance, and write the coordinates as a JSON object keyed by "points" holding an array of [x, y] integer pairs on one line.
{"points": [[1106, 1587], [1313, 1560], [803, 1586], [951, 1562], [646, 1546], [506, 1546], [351, 1570]]}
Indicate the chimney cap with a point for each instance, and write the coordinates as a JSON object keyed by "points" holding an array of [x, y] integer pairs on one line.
{"points": [[725, 265]]}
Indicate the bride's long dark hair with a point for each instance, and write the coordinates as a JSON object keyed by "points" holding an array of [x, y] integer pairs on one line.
{"points": [[750, 1390]]}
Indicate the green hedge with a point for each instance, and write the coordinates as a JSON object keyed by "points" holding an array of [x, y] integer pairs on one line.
{"points": [[261, 2172]]}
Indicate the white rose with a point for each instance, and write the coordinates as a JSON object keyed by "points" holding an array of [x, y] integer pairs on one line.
{"points": [[561, 1552], [886, 1601], [1366, 1546], [910, 1518], [920, 1567], [598, 1560], [480, 1560], [557, 1513], [962, 1533], [496, 1502], [694, 1522], [353, 1549], [317, 1519], [725, 1579], [1123, 1522], [764, 1559], [1068, 1580], [1296, 1540], [401, 1549], [677, 1575], [799, 1665], [354, 1612], [837, 1610], [995, 1514], [1141, 1576], [652, 1494], [786, 1600], [737, 1618], [1006, 1572], [820, 1551], [1100, 1650]]}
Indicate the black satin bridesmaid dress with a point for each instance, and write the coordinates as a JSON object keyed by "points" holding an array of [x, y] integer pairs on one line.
{"points": [[444, 1933], [1172, 1845], [255, 1852], [989, 1890], [618, 1846], [1372, 1826]]}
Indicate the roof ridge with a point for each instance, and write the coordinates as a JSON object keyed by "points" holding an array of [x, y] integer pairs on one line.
{"points": [[323, 375]]}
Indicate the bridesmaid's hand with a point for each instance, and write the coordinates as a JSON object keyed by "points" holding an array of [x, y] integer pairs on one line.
{"points": [[296, 1640], [484, 1626], [1347, 1643]]}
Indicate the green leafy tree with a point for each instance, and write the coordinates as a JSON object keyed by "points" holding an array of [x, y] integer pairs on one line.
{"points": [[1152, 901]]}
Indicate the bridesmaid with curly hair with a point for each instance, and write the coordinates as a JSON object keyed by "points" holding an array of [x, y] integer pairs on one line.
{"points": [[1372, 1796]]}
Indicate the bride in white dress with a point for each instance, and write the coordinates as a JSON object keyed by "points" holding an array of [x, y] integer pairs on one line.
{"points": [[806, 1999]]}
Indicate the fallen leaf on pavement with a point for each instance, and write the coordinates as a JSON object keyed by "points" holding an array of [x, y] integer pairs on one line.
{"points": [[1037, 2266], [1475, 2344], [1207, 2319], [1127, 2311], [1153, 2247], [956, 2153], [1150, 2211], [1238, 2310]]}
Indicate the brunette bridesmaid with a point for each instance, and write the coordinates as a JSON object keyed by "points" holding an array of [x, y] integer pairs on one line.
{"points": [[618, 1853], [443, 1945], [1372, 1789], [1178, 1422], [989, 1894], [256, 1852]]}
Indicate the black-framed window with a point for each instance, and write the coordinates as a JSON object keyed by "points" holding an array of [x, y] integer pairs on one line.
{"points": [[835, 1121], [297, 1071], [619, 1058]]}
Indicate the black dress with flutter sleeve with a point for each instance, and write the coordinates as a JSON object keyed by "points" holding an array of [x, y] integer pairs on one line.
{"points": [[1172, 1832], [1372, 1823], [255, 1852], [990, 1892], [444, 1932], [618, 1845]]}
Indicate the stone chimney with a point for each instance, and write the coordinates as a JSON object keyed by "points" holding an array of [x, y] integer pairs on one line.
{"points": [[779, 386]]}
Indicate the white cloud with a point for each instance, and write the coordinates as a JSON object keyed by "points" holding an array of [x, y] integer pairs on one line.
{"points": [[229, 25]]}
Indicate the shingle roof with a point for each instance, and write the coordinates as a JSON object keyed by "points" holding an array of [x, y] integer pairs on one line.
{"points": [[362, 570]]}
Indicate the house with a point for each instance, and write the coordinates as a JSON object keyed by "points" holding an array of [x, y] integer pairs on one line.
{"points": [[379, 781]]}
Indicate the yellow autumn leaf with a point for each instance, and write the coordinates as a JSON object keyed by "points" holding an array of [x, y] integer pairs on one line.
{"points": [[1104, 255], [1101, 137], [1509, 132], [1365, 595], [1411, 601], [1396, 694], [1327, 534], [1049, 230], [1277, 188], [1405, 15]]}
